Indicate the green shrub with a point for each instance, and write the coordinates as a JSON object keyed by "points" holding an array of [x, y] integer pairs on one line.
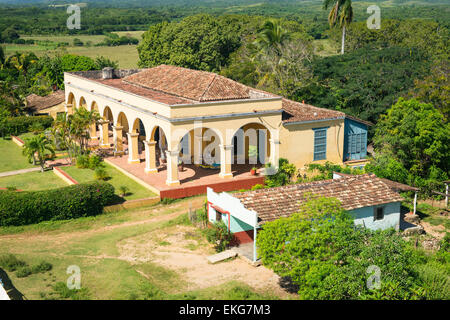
{"points": [[43, 266], [258, 186], [60, 288], [283, 176], [36, 127], [219, 235], [124, 190], [435, 281], [95, 162], [82, 200], [83, 161], [101, 174], [23, 272], [9, 262], [22, 124], [11, 188]]}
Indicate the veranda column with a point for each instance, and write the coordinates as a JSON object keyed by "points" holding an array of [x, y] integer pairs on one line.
{"points": [[118, 137], [172, 168], [225, 161], [274, 152], [104, 134], [68, 108], [198, 146], [93, 131], [133, 152], [150, 156]]}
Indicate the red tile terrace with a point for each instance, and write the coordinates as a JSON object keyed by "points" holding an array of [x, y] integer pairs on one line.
{"points": [[194, 179]]}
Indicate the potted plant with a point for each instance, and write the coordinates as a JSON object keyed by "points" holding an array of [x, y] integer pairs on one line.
{"points": [[253, 171]]}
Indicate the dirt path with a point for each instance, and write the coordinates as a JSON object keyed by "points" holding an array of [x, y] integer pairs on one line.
{"points": [[155, 217], [177, 250]]}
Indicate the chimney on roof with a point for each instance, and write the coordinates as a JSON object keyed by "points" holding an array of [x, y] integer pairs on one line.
{"points": [[107, 73]]}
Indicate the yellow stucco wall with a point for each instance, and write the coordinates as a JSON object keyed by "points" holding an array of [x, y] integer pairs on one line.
{"points": [[297, 142], [53, 111]]}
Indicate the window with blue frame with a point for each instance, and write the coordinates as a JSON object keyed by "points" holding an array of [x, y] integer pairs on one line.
{"points": [[357, 145], [320, 143]]}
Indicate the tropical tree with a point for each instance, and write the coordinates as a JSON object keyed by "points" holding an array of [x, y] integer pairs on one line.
{"points": [[80, 122], [272, 36], [37, 147], [341, 13], [412, 145], [61, 132]]}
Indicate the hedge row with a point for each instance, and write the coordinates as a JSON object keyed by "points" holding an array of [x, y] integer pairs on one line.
{"points": [[81, 200], [21, 124]]}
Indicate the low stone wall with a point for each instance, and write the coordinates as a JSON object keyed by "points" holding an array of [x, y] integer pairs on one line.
{"points": [[17, 141], [64, 175], [232, 185]]}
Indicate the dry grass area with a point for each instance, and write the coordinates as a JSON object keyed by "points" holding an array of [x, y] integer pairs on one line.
{"points": [[147, 253]]}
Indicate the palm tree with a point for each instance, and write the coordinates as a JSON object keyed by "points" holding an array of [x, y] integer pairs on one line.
{"points": [[81, 121], [342, 13], [272, 36], [38, 146]]}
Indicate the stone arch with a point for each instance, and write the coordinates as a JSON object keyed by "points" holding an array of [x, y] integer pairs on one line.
{"points": [[201, 146], [94, 106], [122, 121], [71, 99], [107, 114], [139, 127], [251, 144], [82, 103]]}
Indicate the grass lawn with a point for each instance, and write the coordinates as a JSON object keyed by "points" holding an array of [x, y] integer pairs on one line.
{"points": [[11, 157], [33, 181], [103, 248], [136, 191]]}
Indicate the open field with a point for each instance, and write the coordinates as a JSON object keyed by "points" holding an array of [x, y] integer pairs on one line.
{"points": [[149, 253], [136, 191], [126, 55], [33, 181], [12, 158]]}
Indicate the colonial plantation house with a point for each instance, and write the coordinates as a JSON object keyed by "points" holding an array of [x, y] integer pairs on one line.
{"points": [[373, 202], [167, 116]]}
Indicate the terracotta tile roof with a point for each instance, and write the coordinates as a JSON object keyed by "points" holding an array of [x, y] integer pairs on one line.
{"points": [[37, 103], [353, 192], [176, 85], [144, 92], [196, 85], [394, 185], [299, 112]]}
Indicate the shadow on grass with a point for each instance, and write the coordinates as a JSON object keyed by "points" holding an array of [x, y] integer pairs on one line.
{"points": [[116, 200], [287, 284], [12, 291]]}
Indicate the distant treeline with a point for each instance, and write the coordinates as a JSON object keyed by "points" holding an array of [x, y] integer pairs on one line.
{"points": [[102, 16]]}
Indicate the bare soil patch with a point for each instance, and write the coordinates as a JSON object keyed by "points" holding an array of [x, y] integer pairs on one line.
{"points": [[184, 250]]}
